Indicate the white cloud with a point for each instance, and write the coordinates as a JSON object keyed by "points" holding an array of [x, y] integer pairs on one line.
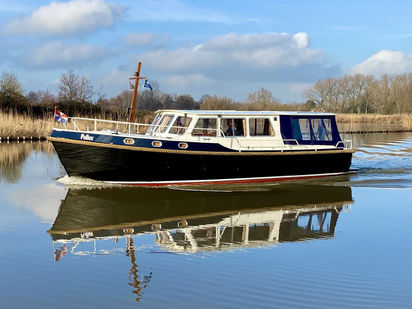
{"points": [[271, 56], [67, 18], [385, 62], [301, 39], [44, 201], [235, 65], [56, 54], [187, 80], [117, 78], [147, 39]]}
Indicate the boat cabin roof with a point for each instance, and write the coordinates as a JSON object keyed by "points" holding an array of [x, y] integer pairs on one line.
{"points": [[242, 113]]}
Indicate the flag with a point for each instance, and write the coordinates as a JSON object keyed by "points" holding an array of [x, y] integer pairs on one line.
{"points": [[60, 117], [147, 85]]}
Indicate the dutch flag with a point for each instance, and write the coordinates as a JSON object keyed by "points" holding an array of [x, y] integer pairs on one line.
{"points": [[60, 117]]}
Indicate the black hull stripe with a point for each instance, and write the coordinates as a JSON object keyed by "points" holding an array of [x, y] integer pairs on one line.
{"points": [[191, 152]]}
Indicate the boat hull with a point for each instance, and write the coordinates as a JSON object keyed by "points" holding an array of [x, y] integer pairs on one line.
{"points": [[156, 167]]}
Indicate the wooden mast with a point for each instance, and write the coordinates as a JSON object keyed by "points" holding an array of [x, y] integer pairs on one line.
{"points": [[136, 77]]}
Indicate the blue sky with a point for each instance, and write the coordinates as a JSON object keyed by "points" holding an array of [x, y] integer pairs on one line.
{"points": [[227, 47]]}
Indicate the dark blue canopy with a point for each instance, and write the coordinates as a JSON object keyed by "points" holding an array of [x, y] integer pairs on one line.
{"points": [[309, 130]]}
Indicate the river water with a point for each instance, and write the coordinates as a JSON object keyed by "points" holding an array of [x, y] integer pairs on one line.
{"points": [[339, 242]]}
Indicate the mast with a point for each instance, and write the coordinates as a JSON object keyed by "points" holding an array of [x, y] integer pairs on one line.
{"points": [[136, 77]]}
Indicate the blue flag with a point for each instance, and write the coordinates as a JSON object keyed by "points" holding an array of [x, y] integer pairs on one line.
{"points": [[147, 85]]}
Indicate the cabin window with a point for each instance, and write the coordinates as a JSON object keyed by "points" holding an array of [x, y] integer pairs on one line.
{"points": [[260, 127], [301, 129], [180, 125], [322, 129], [205, 127], [164, 123], [233, 127]]}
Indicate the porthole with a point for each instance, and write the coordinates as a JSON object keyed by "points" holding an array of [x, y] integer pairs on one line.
{"points": [[157, 144], [183, 145], [128, 141]]}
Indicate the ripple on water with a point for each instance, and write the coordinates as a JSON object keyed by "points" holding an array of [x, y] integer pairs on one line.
{"points": [[383, 162]]}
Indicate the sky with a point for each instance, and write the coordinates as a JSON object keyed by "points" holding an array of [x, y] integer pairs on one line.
{"points": [[216, 47]]}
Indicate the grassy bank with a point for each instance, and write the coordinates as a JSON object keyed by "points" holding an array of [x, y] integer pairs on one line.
{"points": [[353, 123]]}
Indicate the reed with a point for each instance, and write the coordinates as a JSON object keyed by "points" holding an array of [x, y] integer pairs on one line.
{"points": [[374, 122], [14, 126]]}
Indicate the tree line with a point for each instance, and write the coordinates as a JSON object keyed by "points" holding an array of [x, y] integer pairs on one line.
{"points": [[76, 93], [358, 93], [389, 94]]}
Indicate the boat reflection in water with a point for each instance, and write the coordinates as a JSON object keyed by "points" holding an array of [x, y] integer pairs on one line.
{"points": [[193, 221]]}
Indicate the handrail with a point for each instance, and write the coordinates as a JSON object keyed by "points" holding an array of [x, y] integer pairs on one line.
{"points": [[215, 131], [346, 144], [291, 140], [95, 121], [128, 125]]}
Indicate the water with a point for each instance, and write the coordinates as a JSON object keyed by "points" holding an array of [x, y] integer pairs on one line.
{"points": [[340, 242]]}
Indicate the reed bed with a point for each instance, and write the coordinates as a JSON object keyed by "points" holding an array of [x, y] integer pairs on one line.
{"points": [[14, 126], [374, 123]]}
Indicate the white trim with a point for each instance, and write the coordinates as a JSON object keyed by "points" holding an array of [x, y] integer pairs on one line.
{"points": [[244, 113]]}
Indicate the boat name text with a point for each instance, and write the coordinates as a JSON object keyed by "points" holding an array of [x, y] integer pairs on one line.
{"points": [[86, 137]]}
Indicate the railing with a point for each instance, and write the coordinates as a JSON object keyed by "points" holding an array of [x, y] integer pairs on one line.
{"points": [[92, 124], [291, 140], [346, 144], [85, 124]]}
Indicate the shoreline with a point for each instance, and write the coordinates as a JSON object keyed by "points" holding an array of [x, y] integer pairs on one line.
{"points": [[23, 128]]}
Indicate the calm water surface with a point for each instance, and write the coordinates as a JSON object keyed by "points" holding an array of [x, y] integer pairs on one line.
{"points": [[340, 242]]}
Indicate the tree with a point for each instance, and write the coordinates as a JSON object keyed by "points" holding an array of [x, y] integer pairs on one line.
{"points": [[9, 84], [261, 100], [75, 88], [322, 93], [41, 97], [11, 94], [218, 103], [184, 101]]}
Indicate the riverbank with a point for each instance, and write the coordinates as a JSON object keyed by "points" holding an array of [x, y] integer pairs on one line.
{"points": [[373, 123], [19, 127]]}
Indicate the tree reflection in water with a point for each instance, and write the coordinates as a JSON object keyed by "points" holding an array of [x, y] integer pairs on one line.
{"points": [[13, 155]]}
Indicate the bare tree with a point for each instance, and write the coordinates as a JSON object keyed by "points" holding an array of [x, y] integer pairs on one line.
{"points": [[322, 93], [43, 97], [184, 101], [74, 87], [218, 103], [261, 100]]}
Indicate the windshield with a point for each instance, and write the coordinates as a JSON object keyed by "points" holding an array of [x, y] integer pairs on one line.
{"points": [[153, 125]]}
